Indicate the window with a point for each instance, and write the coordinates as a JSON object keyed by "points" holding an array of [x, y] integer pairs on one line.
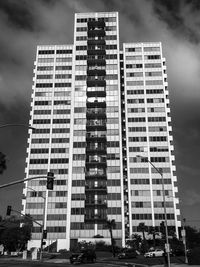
{"points": [[153, 65], [137, 139], [42, 112], [157, 138], [78, 183], [154, 82], [60, 140], [44, 68], [63, 84], [62, 102], [139, 181], [139, 170], [79, 144], [63, 59], [137, 129], [135, 92], [142, 216], [45, 60], [156, 109], [152, 57], [64, 51], [38, 161], [59, 150], [151, 49], [44, 76], [39, 131], [78, 170], [61, 111], [78, 196], [132, 66], [156, 119], [134, 74], [136, 110], [44, 85], [154, 91], [40, 140], [45, 52], [157, 129], [141, 204], [134, 49], [63, 67], [60, 130], [137, 83], [42, 103], [137, 119], [59, 121], [144, 193], [79, 157], [39, 151], [114, 196], [59, 160], [63, 76]]}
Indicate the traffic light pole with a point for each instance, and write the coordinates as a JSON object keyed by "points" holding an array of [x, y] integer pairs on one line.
{"points": [[44, 224]]}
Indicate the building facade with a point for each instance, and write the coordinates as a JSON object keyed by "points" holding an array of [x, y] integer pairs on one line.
{"points": [[101, 113]]}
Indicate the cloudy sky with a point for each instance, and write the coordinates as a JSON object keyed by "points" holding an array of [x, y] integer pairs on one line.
{"points": [[24, 24]]}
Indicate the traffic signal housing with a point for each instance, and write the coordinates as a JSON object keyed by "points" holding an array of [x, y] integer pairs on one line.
{"points": [[9, 209], [50, 180], [44, 234]]}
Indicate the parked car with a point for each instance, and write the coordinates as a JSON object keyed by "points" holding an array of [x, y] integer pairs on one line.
{"points": [[83, 257], [154, 253], [127, 254]]}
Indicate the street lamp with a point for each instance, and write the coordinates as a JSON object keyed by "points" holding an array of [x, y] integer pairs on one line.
{"points": [[43, 228], [165, 212], [17, 124]]}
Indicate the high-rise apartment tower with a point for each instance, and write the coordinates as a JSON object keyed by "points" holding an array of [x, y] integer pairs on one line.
{"points": [[101, 113]]}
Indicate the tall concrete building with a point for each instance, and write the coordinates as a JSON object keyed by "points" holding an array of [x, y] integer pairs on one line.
{"points": [[101, 113]]}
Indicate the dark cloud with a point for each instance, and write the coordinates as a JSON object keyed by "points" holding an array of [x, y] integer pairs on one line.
{"points": [[24, 24], [18, 13], [177, 16]]}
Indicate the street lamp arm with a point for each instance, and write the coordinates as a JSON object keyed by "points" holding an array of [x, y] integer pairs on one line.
{"points": [[22, 180], [17, 124], [27, 216], [35, 191], [158, 170]]}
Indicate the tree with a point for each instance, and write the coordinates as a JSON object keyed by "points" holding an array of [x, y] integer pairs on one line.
{"points": [[143, 228], [2, 163], [13, 236], [111, 225], [152, 231], [134, 242]]}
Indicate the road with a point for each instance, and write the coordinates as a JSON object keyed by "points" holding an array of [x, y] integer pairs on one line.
{"points": [[17, 263]]}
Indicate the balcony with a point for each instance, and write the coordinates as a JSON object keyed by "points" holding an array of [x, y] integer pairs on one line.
{"points": [[96, 71], [97, 175], [93, 41], [96, 163], [98, 114], [92, 32], [96, 52], [96, 103], [95, 202], [96, 188], [96, 24], [96, 82]]}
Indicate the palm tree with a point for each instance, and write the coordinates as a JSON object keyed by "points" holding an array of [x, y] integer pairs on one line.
{"points": [[111, 225], [142, 228], [152, 231]]}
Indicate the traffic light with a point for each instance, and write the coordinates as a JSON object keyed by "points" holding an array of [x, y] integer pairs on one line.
{"points": [[8, 212], [50, 180], [44, 234]]}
